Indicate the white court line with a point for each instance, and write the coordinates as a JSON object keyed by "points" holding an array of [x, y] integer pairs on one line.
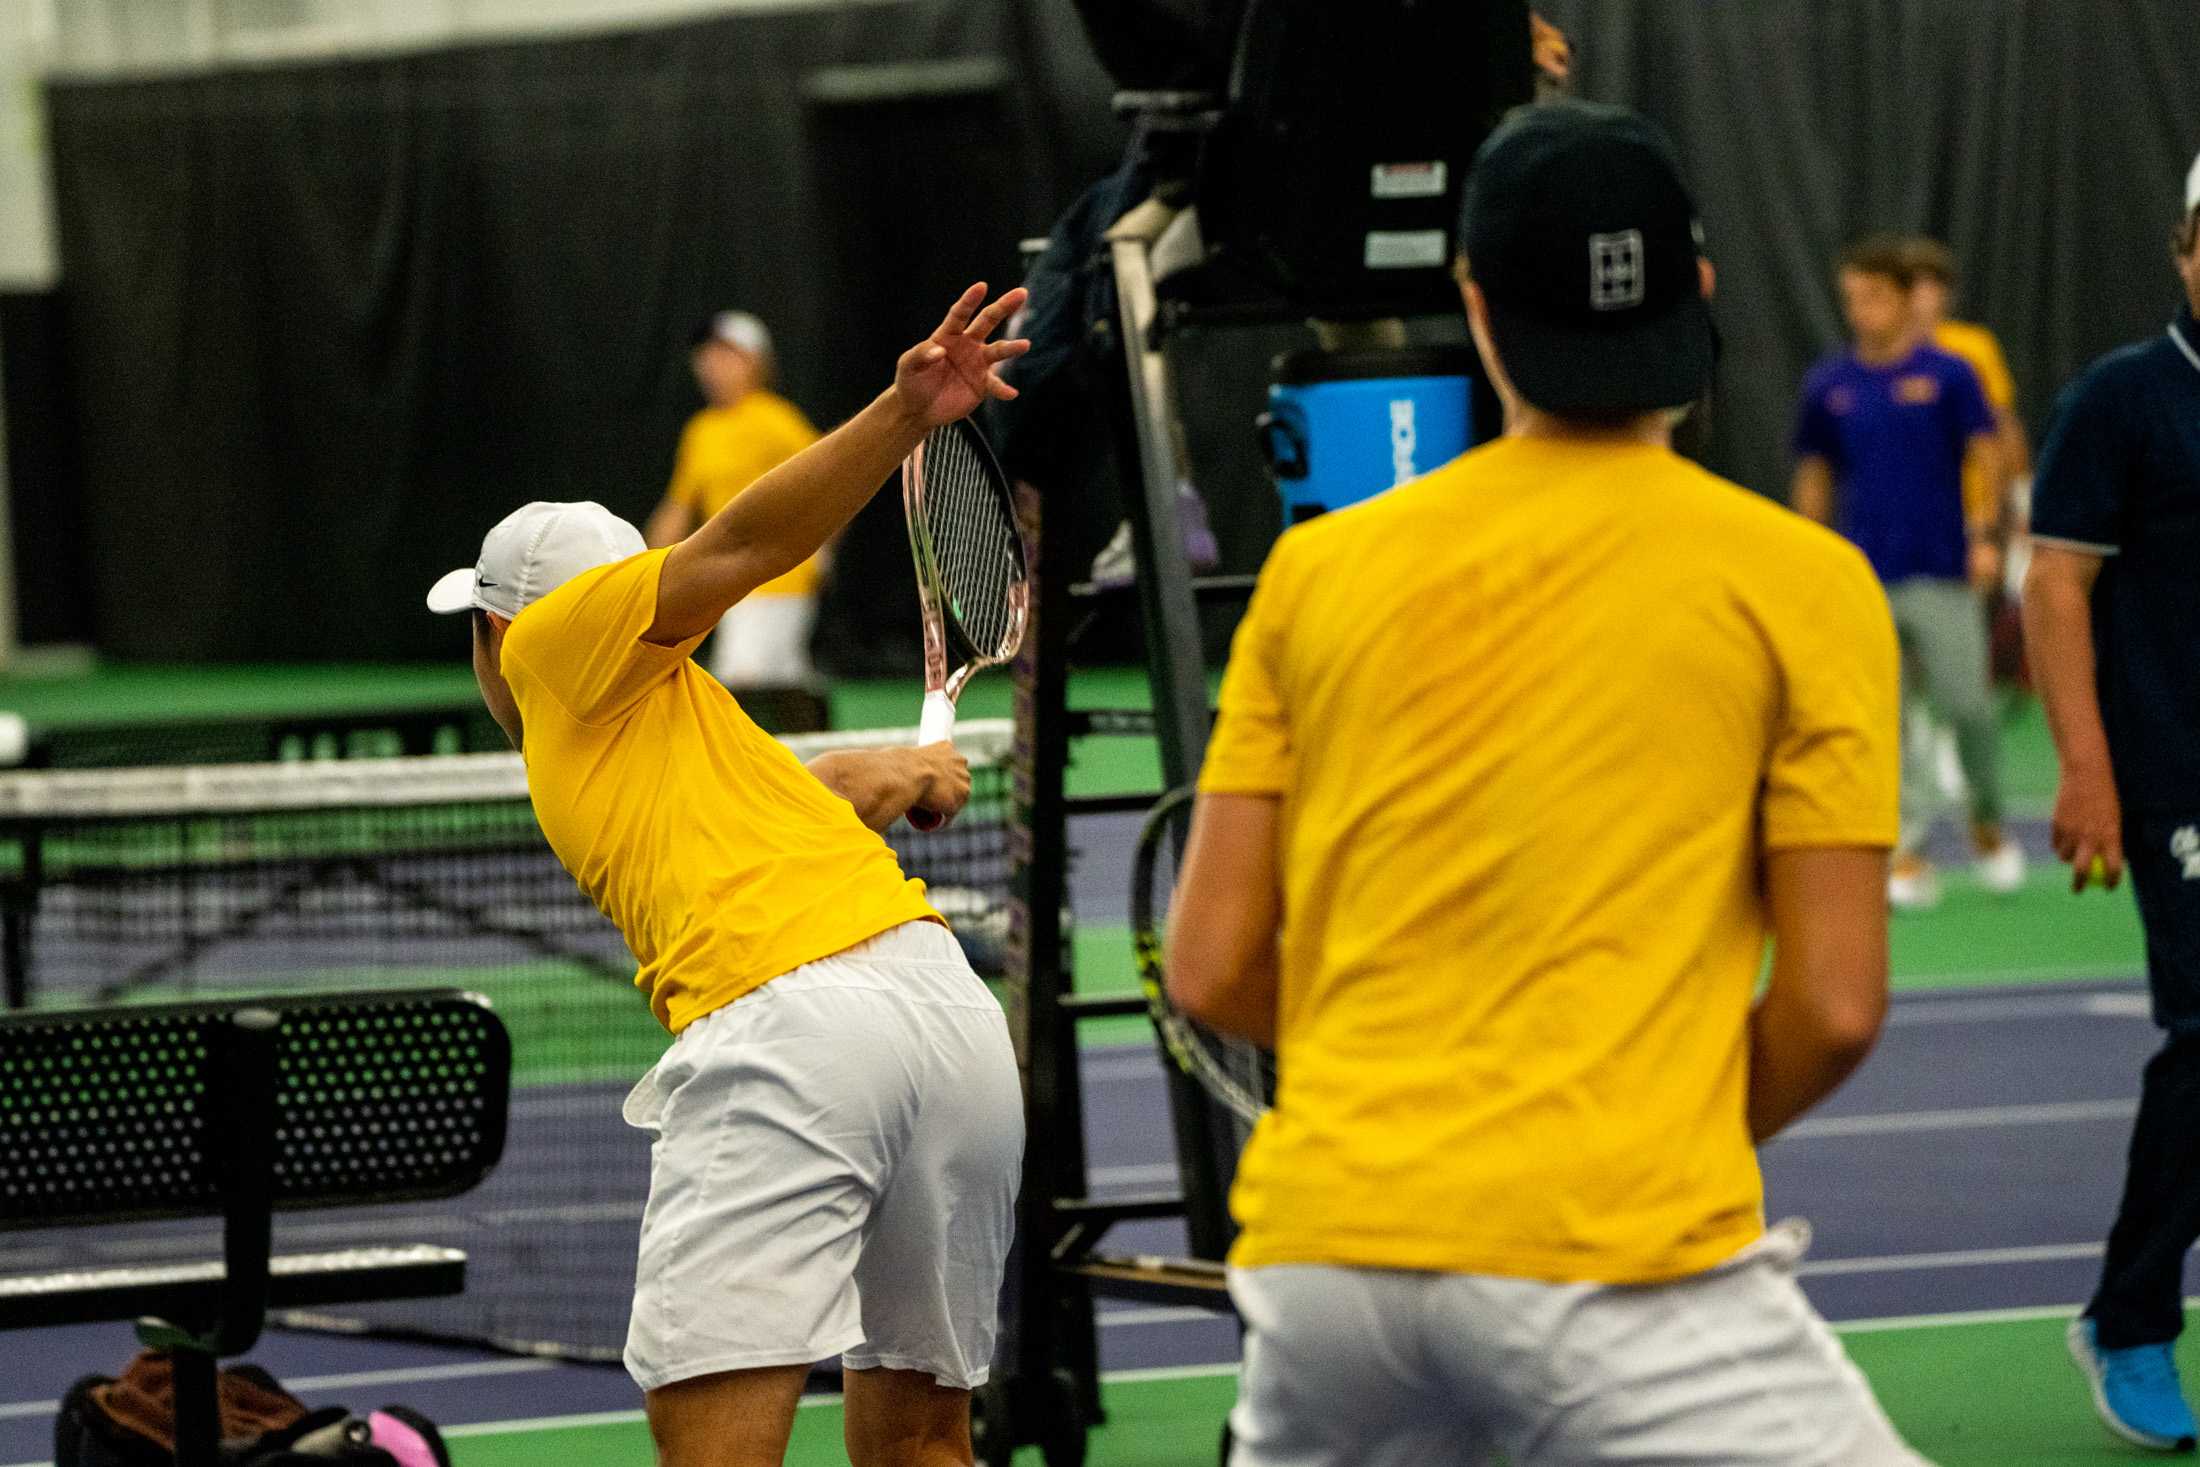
{"points": [[1974, 1118], [1887, 1323], [1164, 1314], [1989, 1008], [1156, 1174], [1961, 1258]]}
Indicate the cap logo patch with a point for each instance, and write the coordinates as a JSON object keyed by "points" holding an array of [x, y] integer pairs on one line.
{"points": [[1615, 270]]}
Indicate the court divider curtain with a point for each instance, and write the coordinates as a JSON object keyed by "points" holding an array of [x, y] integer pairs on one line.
{"points": [[329, 322], [2045, 141]]}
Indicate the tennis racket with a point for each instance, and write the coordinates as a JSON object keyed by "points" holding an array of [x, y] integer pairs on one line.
{"points": [[973, 576], [1240, 1077]]}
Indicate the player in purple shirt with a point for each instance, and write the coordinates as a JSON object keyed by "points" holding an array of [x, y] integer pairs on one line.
{"points": [[1882, 439]]}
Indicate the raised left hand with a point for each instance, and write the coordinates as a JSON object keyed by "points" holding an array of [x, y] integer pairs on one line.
{"points": [[945, 376]]}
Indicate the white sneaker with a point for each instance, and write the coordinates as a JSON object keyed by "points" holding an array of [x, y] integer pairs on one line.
{"points": [[1116, 564], [1914, 891], [2001, 870]]}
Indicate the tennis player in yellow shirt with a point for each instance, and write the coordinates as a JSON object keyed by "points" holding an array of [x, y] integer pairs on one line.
{"points": [[1517, 767], [1931, 296], [837, 1127], [744, 431]]}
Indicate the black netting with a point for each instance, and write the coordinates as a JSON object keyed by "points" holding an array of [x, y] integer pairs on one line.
{"points": [[455, 893]]}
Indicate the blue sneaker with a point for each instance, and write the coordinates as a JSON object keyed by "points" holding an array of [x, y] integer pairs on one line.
{"points": [[2135, 1391]]}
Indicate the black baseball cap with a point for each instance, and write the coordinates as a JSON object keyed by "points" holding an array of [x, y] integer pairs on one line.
{"points": [[1583, 237]]}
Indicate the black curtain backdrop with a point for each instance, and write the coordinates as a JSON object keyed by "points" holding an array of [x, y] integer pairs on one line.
{"points": [[327, 323], [2045, 140], [330, 322], [45, 507]]}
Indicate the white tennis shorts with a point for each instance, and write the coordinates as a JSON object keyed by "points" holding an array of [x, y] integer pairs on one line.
{"points": [[1376, 1368], [834, 1160], [764, 642]]}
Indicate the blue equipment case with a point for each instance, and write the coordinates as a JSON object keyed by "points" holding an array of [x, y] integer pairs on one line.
{"points": [[1345, 426]]}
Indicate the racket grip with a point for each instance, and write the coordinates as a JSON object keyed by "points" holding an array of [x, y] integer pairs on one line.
{"points": [[937, 722]]}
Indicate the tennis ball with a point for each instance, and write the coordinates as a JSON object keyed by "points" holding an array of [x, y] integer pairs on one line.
{"points": [[2097, 873]]}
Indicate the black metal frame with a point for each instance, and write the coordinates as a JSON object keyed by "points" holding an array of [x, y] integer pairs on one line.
{"points": [[1049, 1392]]}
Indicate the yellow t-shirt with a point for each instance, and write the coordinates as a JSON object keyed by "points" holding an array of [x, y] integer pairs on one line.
{"points": [[720, 858], [724, 450], [1976, 345], [1533, 720]]}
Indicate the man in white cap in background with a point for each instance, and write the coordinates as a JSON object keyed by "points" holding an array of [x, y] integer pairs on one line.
{"points": [[2112, 622], [798, 1209], [744, 431]]}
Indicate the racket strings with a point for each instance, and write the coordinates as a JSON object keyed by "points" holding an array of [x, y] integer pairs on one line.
{"points": [[975, 546]]}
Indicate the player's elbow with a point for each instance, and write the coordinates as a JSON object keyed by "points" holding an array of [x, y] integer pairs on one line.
{"points": [[1205, 973], [1196, 978], [1845, 1017]]}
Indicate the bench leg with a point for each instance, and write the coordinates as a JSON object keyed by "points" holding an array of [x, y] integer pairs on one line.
{"points": [[198, 1410]]}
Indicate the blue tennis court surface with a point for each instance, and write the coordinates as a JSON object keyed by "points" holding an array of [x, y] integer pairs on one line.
{"points": [[1971, 1165]]}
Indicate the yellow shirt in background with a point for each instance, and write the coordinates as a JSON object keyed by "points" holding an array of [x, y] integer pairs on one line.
{"points": [[719, 857], [723, 450], [1534, 719], [1976, 345]]}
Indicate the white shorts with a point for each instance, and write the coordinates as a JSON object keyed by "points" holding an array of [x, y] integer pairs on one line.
{"points": [[764, 642], [1386, 1369], [798, 1209]]}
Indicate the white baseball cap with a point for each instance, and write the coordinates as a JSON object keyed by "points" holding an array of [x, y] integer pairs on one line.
{"points": [[736, 329], [532, 551]]}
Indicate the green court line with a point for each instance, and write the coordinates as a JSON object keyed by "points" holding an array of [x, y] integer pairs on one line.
{"points": [[1987, 1389]]}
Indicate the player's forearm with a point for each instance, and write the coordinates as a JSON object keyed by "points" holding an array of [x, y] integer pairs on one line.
{"points": [[1232, 993], [1222, 963], [2016, 447], [2058, 637], [1812, 493], [1985, 485], [779, 522], [882, 784]]}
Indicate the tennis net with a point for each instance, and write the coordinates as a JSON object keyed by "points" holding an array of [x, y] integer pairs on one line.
{"points": [[223, 880]]}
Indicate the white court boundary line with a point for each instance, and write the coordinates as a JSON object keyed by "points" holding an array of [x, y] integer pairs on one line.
{"points": [[524, 1425]]}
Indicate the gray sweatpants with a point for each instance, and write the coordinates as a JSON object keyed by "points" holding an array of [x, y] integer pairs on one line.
{"points": [[1945, 667]]}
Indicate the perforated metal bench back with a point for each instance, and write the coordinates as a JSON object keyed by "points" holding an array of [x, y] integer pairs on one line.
{"points": [[108, 1115]]}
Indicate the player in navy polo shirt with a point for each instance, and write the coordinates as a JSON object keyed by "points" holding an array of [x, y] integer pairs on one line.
{"points": [[1887, 436], [2112, 621]]}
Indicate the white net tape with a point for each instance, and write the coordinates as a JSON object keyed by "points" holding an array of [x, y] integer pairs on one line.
{"points": [[332, 784]]}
